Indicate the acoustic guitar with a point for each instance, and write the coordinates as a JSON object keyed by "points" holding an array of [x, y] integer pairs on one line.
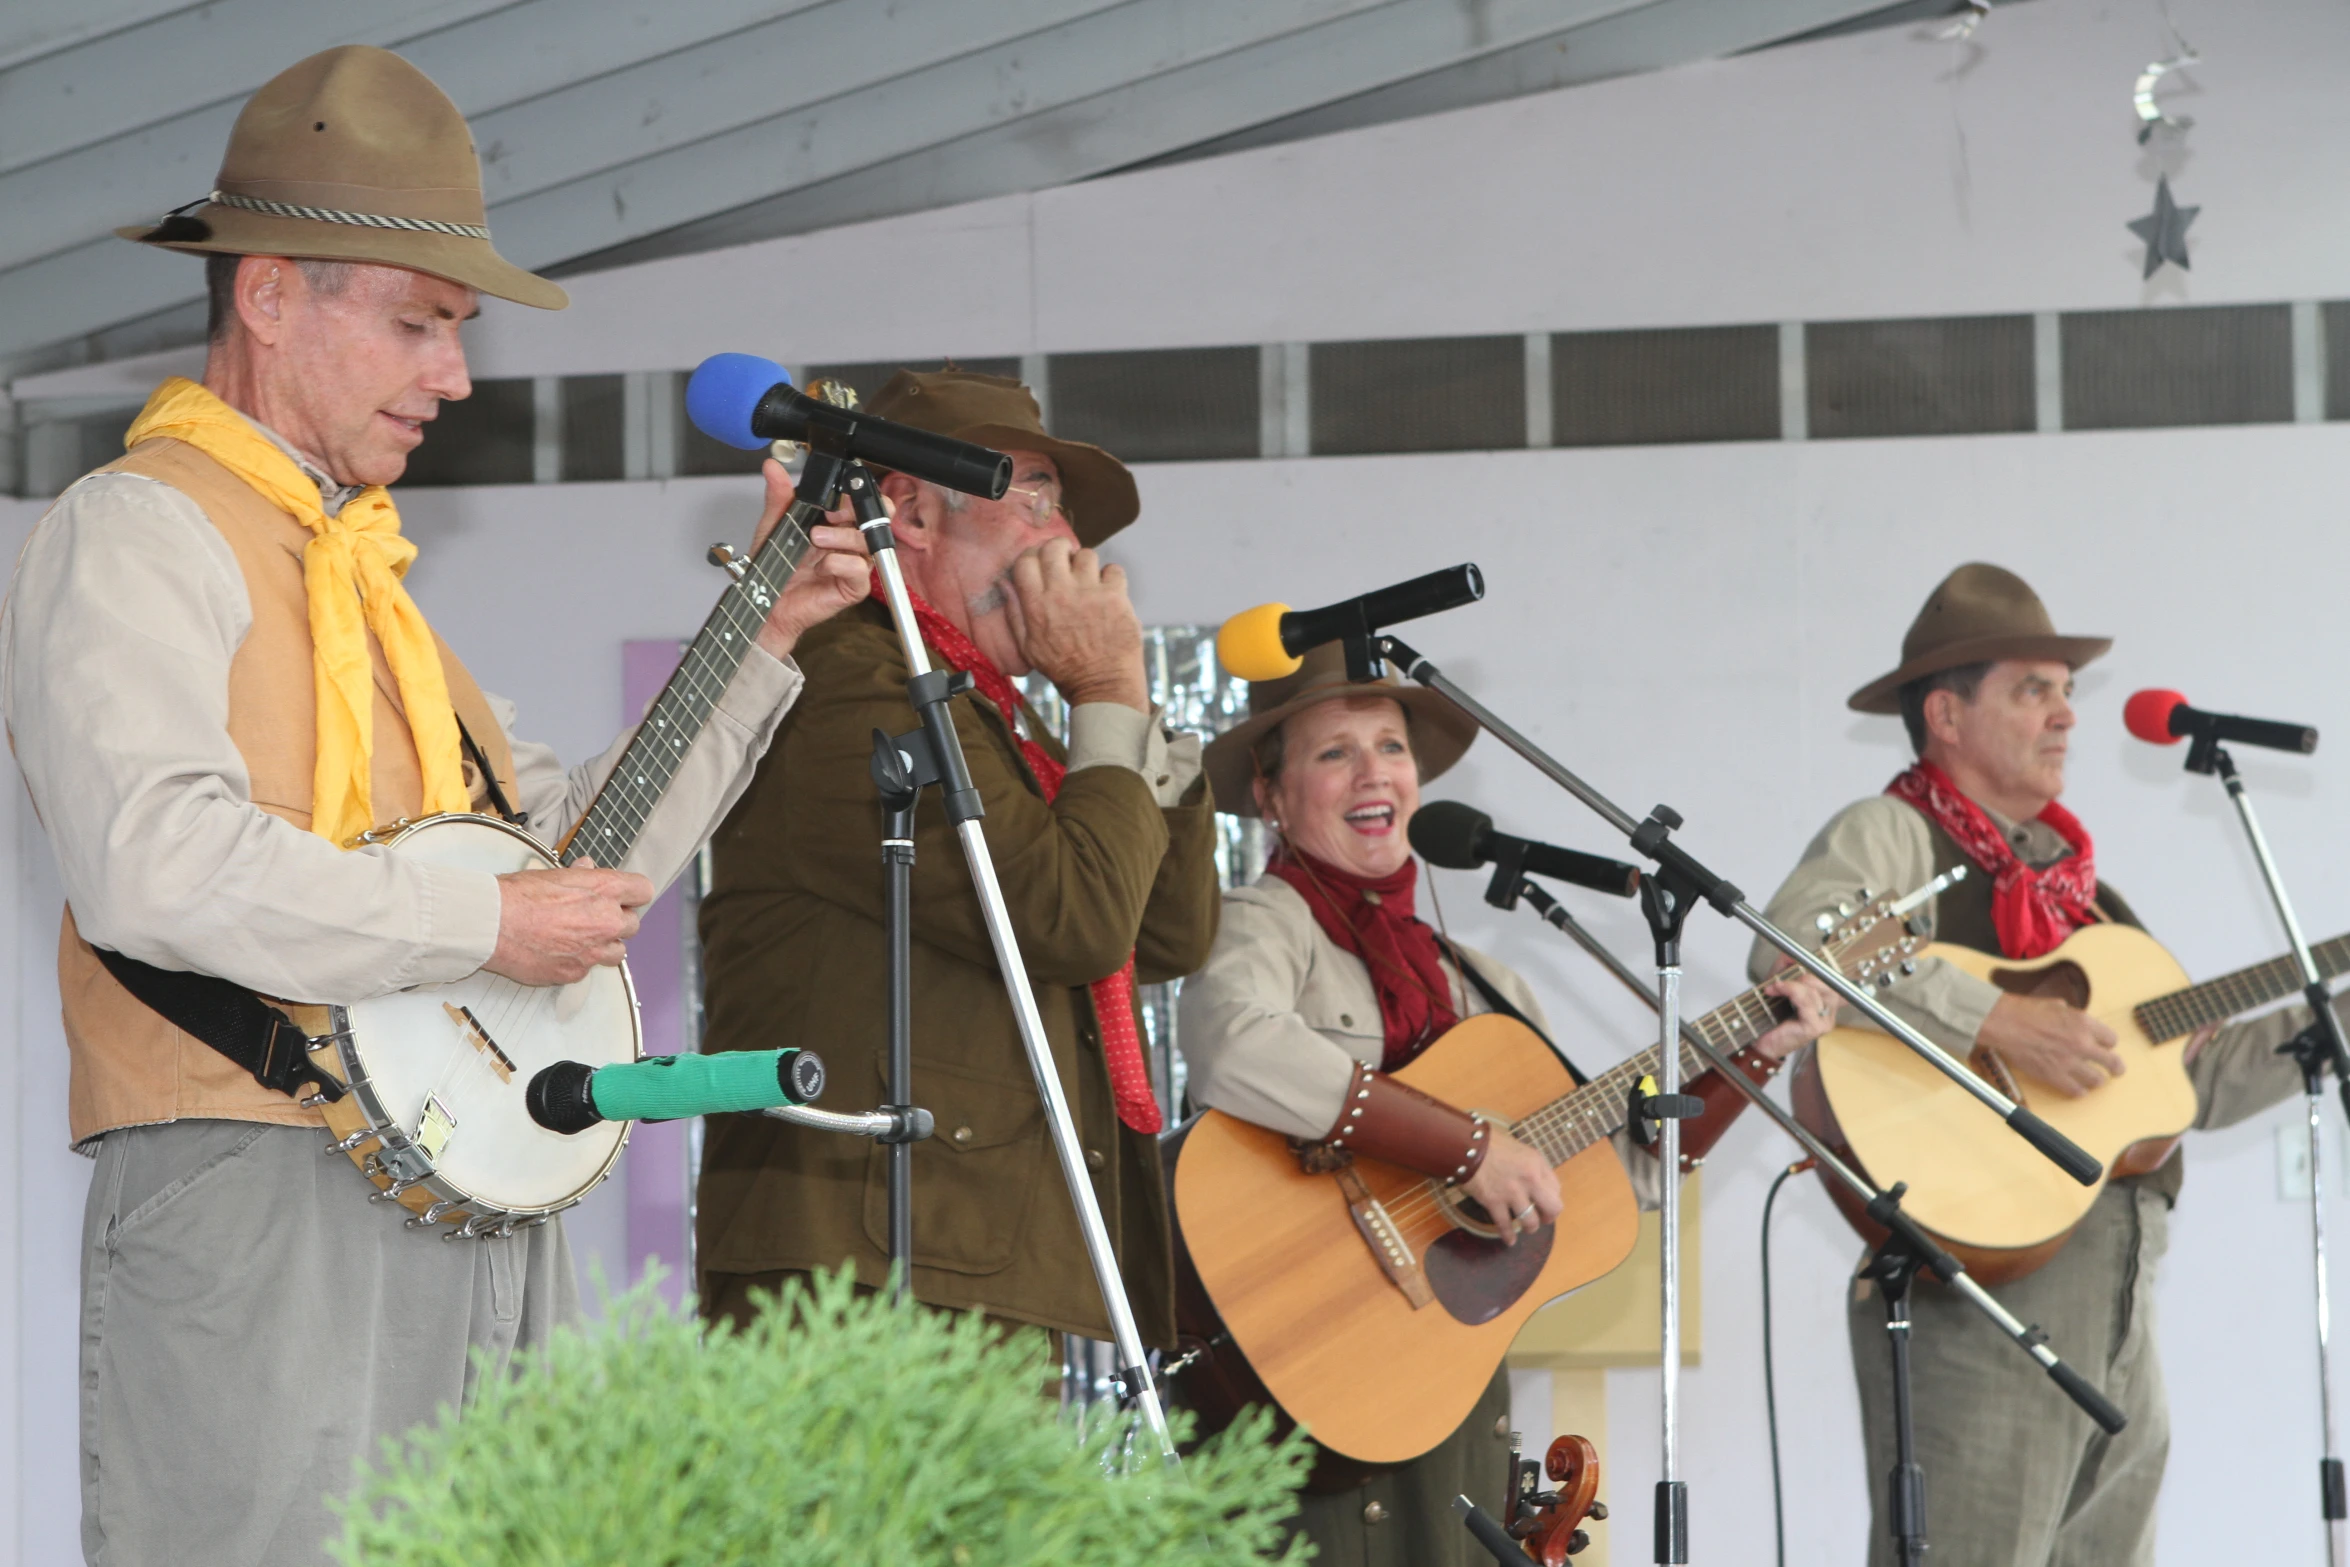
{"points": [[2000, 1207], [1372, 1304]]}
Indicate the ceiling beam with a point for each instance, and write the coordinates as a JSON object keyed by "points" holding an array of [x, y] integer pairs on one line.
{"points": [[1130, 122], [560, 138], [1653, 37], [27, 32], [188, 60], [508, 57]]}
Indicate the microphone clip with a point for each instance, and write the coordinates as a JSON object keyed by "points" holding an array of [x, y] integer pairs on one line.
{"points": [[1508, 882], [1366, 649]]}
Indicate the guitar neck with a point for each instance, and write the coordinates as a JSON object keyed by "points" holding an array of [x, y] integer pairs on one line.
{"points": [[612, 824], [1602, 1107], [2231, 995]]}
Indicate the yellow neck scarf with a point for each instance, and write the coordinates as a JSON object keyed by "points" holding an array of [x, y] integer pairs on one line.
{"points": [[352, 568]]}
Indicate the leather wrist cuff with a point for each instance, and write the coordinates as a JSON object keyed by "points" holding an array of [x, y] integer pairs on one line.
{"points": [[1723, 1104], [1382, 1119]]}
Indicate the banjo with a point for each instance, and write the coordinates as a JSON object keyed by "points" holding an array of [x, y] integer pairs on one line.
{"points": [[434, 1112]]}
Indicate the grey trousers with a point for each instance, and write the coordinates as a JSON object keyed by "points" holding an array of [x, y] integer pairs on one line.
{"points": [[2016, 1476], [252, 1327], [1404, 1518]]}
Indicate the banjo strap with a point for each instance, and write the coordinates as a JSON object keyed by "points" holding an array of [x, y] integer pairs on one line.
{"points": [[239, 1024], [229, 1018], [489, 777]]}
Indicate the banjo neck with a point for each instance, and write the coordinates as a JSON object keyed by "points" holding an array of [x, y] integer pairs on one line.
{"points": [[609, 829]]}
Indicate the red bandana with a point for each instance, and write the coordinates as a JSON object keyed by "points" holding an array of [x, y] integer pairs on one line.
{"points": [[2033, 910], [1113, 998], [1371, 917]]}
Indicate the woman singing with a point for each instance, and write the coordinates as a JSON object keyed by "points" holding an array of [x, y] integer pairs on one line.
{"points": [[1323, 980]]}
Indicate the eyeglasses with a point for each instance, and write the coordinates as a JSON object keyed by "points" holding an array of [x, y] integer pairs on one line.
{"points": [[1040, 502]]}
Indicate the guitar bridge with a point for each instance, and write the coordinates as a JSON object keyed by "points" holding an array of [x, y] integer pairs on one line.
{"points": [[1379, 1231]]}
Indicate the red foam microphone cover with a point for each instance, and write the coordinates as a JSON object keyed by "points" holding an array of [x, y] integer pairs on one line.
{"points": [[2147, 715]]}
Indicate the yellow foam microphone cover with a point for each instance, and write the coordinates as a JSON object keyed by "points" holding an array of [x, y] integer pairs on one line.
{"points": [[1249, 644]]}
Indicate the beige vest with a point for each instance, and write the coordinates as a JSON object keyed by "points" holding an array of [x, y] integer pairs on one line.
{"points": [[130, 1067]]}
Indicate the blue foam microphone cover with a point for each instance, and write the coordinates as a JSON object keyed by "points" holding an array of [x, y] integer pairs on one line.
{"points": [[724, 392]]}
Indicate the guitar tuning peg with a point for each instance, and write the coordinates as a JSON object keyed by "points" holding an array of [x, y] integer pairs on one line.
{"points": [[1866, 895], [1909, 966], [1826, 923], [1844, 911], [724, 557]]}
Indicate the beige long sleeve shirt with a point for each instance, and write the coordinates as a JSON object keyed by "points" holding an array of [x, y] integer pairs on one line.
{"points": [[125, 611], [1111, 734], [1272, 1027], [1883, 845]]}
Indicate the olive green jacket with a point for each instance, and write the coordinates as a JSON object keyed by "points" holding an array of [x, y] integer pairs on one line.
{"points": [[793, 956]]}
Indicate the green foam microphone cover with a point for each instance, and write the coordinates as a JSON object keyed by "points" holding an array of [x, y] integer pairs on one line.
{"points": [[671, 1088]]}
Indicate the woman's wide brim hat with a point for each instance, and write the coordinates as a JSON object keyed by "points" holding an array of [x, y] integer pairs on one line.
{"points": [[1978, 615], [1440, 731], [997, 412], [352, 155]]}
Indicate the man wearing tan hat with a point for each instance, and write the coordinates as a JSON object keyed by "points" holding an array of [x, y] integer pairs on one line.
{"points": [[2015, 1475], [1105, 853], [214, 683]]}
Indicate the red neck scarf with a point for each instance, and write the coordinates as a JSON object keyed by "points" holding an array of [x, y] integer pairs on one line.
{"points": [[2033, 910], [1371, 917], [1113, 998]]}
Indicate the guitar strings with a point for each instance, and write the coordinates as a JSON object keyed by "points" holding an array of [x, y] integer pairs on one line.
{"points": [[1582, 1114]]}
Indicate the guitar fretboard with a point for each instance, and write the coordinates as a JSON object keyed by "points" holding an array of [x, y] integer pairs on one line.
{"points": [[1600, 1108], [2231, 995], [609, 829]]}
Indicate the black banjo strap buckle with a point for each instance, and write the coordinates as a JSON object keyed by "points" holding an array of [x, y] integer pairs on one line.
{"points": [[232, 1020]]}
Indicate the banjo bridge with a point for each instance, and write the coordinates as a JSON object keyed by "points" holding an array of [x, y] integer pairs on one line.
{"points": [[469, 1028]]}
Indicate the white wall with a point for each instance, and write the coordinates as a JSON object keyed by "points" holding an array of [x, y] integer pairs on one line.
{"points": [[1677, 623]]}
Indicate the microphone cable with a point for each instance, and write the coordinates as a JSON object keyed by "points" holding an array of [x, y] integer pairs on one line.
{"points": [[1770, 1376]]}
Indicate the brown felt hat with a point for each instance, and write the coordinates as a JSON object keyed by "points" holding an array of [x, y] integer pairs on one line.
{"points": [[994, 410], [1440, 731], [352, 155], [1979, 614]]}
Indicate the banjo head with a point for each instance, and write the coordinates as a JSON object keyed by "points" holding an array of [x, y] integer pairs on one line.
{"points": [[471, 1048]]}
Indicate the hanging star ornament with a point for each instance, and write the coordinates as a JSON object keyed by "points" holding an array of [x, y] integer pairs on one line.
{"points": [[2165, 229]]}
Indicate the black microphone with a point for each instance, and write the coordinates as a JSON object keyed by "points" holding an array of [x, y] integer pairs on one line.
{"points": [[1265, 643], [572, 1096], [747, 401], [2164, 718], [1461, 838]]}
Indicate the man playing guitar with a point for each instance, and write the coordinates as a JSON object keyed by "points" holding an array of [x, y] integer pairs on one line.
{"points": [[2016, 1477], [214, 682]]}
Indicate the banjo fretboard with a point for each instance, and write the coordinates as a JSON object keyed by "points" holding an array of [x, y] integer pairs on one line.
{"points": [[613, 822]]}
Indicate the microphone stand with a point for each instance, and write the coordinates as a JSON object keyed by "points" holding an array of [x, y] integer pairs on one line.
{"points": [[900, 769], [929, 691], [1684, 880], [2315, 1048], [1906, 1249]]}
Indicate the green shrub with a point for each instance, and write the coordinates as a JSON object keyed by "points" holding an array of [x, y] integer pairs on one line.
{"points": [[836, 1430]]}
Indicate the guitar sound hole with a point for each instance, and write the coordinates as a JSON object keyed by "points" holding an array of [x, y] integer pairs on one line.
{"points": [[2068, 982], [1476, 1279]]}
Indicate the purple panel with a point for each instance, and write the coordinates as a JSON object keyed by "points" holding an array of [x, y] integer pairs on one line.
{"points": [[655, 1166]]}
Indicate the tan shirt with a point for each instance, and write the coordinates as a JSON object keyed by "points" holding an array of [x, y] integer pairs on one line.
{"points": [[1272, 1027], [1884, 845], [125, 611], [1111, 734]]}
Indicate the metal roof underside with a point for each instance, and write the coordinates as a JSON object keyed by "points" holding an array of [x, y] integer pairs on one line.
{"points": [[614, 131]]}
